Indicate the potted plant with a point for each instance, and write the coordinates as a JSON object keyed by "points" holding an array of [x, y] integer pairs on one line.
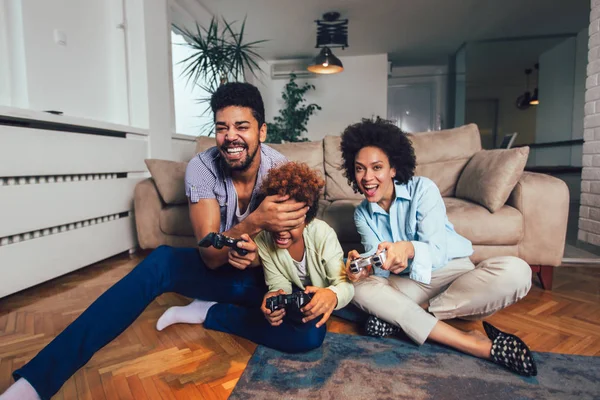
{"points": [[291, 122], [220, 55]]}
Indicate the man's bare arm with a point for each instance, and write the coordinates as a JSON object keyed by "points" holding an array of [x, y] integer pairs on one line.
{"points": [[206, 218]]}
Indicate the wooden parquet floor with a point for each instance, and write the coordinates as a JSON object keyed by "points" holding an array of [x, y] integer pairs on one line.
{"points": [[189, 362]]}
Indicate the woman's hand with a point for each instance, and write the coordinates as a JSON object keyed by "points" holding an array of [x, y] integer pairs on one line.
{"points": [[397, 255], [353, 255], [322, 303], [275, 318], [242, 262]]}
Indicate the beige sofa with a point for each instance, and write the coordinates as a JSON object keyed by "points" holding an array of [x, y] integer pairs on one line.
{"points": [[488, 197]]}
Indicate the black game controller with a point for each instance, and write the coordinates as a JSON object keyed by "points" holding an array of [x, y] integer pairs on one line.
{"points": [[218, 240], [296, 299], [375, 260]]}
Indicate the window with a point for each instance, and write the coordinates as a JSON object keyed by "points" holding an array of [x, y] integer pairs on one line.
{"points": [[192, 116]]}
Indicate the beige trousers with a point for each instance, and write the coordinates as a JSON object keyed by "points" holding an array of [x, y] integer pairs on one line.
{"points": [[458, 290]]}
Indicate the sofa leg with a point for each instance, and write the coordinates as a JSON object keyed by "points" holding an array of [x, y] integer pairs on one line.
{"points": [[545, 274]]}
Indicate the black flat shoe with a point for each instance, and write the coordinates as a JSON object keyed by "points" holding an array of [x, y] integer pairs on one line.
{"points": [[379, 328], [510, 351]]}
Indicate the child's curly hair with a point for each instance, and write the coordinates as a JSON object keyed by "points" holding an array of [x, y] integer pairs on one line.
{"points": [[298, 181]]}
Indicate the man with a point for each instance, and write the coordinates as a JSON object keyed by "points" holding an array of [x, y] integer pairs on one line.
{"points": [[222, 184]]}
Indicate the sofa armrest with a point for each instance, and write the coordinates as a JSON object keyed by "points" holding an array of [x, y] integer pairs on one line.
{"points": [[544, 202], [147, 205]]}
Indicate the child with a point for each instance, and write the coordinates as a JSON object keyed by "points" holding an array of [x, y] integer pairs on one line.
{"points": [[307, 258]]}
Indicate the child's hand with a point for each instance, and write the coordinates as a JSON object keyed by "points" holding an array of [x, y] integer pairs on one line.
{"points": [[322, 303], [353, 255], [275, 318]]}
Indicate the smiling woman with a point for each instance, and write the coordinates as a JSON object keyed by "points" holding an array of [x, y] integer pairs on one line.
{"points": [[427, 275]]}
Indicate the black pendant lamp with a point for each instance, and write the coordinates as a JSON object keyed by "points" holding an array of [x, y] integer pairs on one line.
{"points": [[331, 32], [326, 63]]}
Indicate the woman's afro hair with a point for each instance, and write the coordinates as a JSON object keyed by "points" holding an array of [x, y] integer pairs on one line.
{"points": [[298, 181]]}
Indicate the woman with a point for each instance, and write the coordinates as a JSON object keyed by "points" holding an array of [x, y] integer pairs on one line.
{"points": [[427, 275], [308, 258]]}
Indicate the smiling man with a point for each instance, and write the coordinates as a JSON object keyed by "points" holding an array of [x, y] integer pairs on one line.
{"points": [[222, 185]]}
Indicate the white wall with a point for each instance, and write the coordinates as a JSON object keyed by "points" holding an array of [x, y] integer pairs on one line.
{"points": [[4, 66], [360, 91], [84, 77], [15, 91]]}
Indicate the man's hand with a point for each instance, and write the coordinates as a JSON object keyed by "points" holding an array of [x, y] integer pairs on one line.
{"points": [[322, 303], [275, 318], [279, 213], [353, 255], [397, 256], [242, 262]]}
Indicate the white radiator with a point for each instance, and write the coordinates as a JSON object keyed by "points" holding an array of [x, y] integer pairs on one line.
{"points": [[66, 198]]}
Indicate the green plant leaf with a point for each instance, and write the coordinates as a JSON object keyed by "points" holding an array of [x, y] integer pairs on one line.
{"points": [[219, 54]]}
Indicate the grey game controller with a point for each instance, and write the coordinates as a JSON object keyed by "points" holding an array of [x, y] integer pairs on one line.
{"points": [[375, 260]]}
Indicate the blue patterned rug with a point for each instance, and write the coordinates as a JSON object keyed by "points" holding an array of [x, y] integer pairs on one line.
{"points": [[360, 367]]}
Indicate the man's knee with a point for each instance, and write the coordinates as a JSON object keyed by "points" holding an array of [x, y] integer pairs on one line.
{"points": [[161, 261], [313, 339], [161, 255]]}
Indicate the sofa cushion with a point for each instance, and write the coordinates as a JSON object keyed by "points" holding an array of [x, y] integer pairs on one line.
{"points": [[175, 220], [169, 179], [310, 153], [340, 216], [481, 227], [323, 204], [336, 184], [491, 175], [204, 143], [442, 155]]}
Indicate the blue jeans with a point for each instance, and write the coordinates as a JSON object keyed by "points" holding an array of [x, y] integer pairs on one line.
{"points": [[166, 269], [292, 336]]}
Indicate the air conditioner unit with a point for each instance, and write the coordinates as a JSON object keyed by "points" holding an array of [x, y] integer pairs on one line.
{"points": [[283, 69]]}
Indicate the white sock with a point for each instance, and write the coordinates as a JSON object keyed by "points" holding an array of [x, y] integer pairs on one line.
{"points": [[193, 313], [20, 390]]}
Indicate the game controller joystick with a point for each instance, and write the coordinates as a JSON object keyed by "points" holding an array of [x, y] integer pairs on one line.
{"points": [[218, 240]]}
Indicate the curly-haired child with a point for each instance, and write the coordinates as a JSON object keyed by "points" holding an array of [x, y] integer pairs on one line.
{"points": [[308, 258]]}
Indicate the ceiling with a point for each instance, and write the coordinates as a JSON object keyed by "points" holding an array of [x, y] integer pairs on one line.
{"points": [[411, 32]]}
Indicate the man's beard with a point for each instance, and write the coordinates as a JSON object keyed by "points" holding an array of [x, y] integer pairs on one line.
{"points": [[242, 166]]}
